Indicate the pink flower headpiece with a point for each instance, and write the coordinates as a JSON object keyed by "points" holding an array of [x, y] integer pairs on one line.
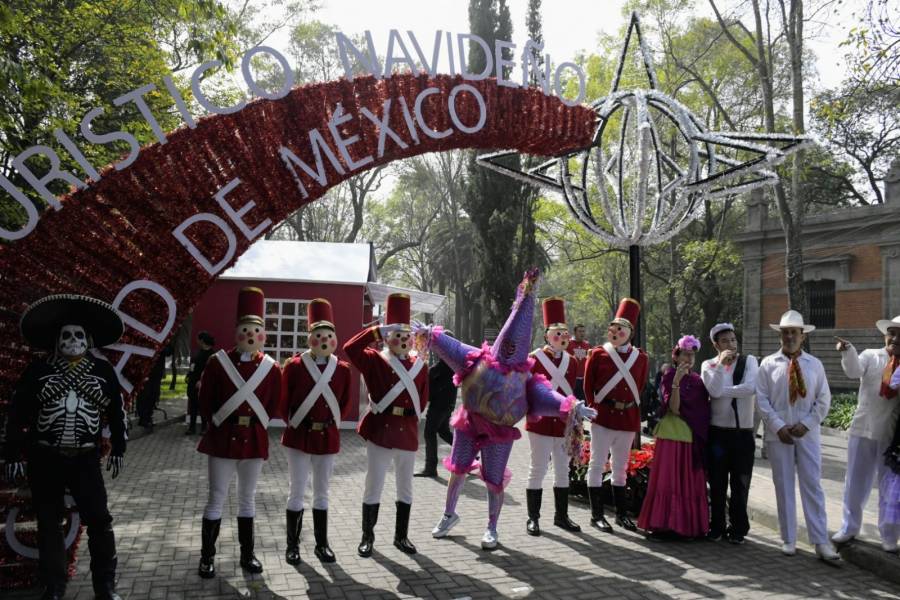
{"points": [[687, 342]]}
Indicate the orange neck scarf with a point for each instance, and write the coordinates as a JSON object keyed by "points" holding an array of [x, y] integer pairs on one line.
{"points": [[797, 385], [892, 364]]}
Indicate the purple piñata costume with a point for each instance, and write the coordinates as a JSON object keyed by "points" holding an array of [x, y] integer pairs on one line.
{"points": [[498, 390]]}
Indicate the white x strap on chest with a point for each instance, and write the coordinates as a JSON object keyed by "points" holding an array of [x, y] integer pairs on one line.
{"points": [[623, 372], [407, 382], [557, 374], [321, 388], [246, 390]]}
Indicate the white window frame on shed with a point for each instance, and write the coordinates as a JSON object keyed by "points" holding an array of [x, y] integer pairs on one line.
{"points": [[277, 350]]}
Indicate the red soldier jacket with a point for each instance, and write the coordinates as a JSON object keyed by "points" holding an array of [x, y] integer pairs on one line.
{"points": [[619, 409], [397, 425], [241, 434], [580, 351], [317, 432], [553, 426]]}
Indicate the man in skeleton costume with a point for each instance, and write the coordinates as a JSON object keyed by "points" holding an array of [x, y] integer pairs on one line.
{"points": [[239, 394], [398, 392], [614, 377], [315, 396], [55, 421], [546, 435]]}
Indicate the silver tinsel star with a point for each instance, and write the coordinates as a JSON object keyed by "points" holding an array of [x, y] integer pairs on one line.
{"points": [[633, 176]]}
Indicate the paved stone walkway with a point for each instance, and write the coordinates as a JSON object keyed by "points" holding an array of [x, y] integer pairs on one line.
{"points": [[157, 504]]}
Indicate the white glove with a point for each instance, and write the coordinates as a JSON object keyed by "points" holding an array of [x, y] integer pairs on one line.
{"points": [[385, 331], [14, 470], [895, 379], [116, 464], [583, 411]]}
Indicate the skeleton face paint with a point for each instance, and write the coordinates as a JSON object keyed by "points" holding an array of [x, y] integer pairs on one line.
{"points": [[249, 337], [400, 342], [322, 342], [72, 341], [557, 338]]}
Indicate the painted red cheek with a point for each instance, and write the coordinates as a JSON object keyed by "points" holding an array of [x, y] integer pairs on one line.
{"points": [[332, 343], [394, 342], [260, 337], [241, 337]]}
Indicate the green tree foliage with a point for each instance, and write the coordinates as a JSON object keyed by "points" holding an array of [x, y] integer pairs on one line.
{"points": [[500, 208]]}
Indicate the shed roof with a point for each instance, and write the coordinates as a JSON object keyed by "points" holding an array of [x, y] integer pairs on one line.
{"points": [[321, 262]]}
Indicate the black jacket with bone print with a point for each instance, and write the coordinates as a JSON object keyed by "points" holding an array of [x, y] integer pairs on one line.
{"points": [[65, 405]]}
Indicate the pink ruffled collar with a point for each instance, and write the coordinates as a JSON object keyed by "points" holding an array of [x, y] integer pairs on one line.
{"points": [[485, 355]]}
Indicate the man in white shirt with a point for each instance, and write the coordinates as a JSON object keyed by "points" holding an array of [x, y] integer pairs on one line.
{"points": [[871, 429], [793, 395], [730, 379]]}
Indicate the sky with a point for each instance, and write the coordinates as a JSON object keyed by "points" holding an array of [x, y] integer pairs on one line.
{"points": [[569, 26]]}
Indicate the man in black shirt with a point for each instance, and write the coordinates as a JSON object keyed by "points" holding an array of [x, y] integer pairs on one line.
{"points": [[441, 402], [56, 416], [198, 362]]}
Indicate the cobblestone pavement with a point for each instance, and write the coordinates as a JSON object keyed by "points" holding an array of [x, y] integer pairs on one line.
{"points": [[157, 504]]}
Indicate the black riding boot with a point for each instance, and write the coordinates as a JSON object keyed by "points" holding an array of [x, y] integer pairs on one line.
{"points": [[598, 519], [401, 530], [561, 504], [621, 499], [369, 519], [294, 525], [320, 529], [249, 561], [209, 535], [533, 500]]}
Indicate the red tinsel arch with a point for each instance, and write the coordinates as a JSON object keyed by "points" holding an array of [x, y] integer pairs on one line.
{"points": [[120, 228]]}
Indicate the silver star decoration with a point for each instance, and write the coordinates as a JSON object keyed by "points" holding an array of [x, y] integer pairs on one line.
{"points": [[633, 176]]}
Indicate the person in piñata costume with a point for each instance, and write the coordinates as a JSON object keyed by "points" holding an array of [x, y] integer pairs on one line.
{"points": [[397, 380], [614, 378], [55, 422], [547, 435], [315, 396], [498, 390], [239, 394]]}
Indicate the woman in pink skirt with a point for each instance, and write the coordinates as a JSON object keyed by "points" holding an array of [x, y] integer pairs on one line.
{"points": [[676, 501]]}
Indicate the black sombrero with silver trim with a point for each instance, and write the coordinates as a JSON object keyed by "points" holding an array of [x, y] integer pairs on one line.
{"points": [[40, 323]]}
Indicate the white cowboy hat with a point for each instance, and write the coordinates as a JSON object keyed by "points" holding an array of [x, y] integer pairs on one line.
{"points": [[883, 325], [792, 319]]}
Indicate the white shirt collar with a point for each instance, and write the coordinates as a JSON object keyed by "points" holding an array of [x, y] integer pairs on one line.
{"points": [[624, 349], [247, 356]]}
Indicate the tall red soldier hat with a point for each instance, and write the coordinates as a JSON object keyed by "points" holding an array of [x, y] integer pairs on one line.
{"points": [[319, 314], [628, 313], [251, 306], [398, 310], [554, 309]]}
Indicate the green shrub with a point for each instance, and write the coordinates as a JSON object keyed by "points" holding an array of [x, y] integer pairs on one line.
{"points": [[842, 409]]}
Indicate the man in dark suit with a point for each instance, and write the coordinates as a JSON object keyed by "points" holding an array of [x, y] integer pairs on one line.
{"points": [[198, 363], [442, 393]]}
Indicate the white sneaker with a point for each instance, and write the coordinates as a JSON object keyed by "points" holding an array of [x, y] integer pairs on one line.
{"points": [[445, 525], [892, 548], [842, 537], [490, 539], [789, 548], [826, 552]]}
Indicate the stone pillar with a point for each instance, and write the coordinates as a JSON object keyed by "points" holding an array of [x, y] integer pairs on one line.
{"points": [[892, 183], [752, 334], [890, 261], [757, 210]]}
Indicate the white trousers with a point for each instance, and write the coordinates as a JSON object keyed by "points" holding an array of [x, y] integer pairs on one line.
{"points": [[379, 460], [300, 464], [221, 472], [605, 443], [865, 465], [543, 448], [801, 462]]}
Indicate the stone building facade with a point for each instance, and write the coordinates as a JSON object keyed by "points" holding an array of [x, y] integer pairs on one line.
{"points": [[851, 272]]}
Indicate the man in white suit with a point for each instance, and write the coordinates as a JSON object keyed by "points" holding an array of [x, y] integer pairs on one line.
{"points": [[792, 394]]}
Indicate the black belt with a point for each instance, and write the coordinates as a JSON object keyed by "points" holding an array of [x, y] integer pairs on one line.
{"points": [[317, 425], [730, 428], [619, 405], [64, 451], [242, 420]]}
